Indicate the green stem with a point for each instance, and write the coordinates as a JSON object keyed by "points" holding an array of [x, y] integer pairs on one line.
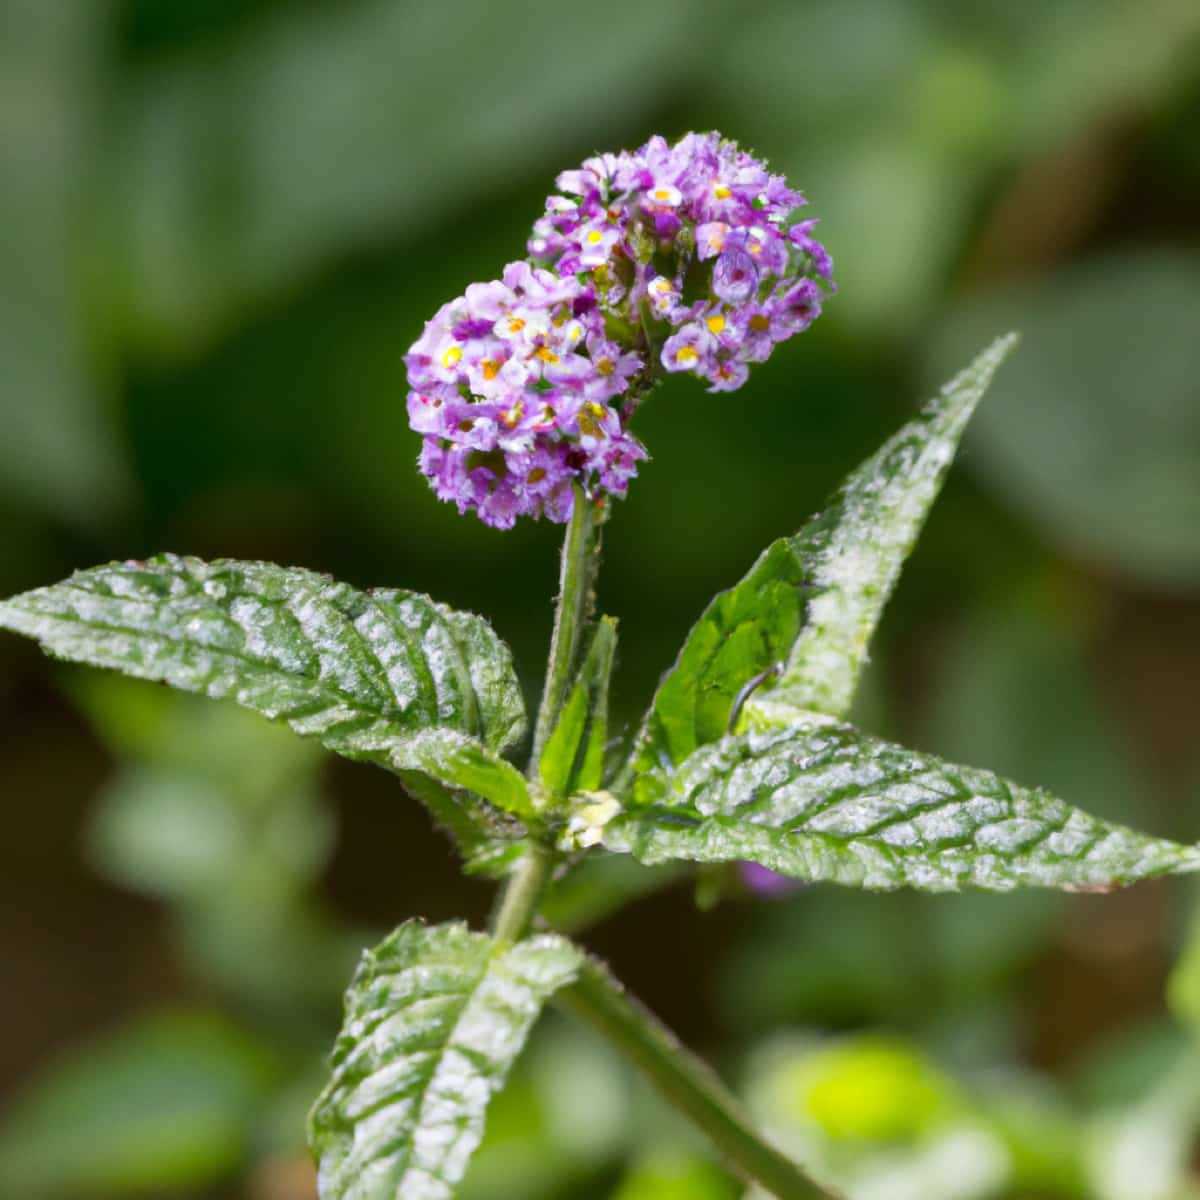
{"points": [[580, 556], [520, 900], [682, 1078], [576, 578], [687, 1082]]}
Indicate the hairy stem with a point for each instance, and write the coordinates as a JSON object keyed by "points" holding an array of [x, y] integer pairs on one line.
{"points": [[519, 902], [681, 1077], [688, 1083], [577, 576]]}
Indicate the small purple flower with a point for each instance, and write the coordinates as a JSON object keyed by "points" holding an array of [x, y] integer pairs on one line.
{"points": [[502, 505], [662, 296], [735, 277], [799, 235], [473, 426], [487, 300], [471, 329], [710, 239], [446, 469], [620, 464], [689, 349], [767, 883], [726, 375], [425, 412], [596, 241], [760, 327], [611, 369], [538, 472], [801, 306]]}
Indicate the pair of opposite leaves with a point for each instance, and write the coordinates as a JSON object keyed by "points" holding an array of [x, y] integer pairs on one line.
{"points": [[436, 1016]]}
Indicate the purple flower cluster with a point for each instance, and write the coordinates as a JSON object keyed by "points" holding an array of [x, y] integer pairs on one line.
{"points": [[513, 385], [694, 242], [675, 258]]}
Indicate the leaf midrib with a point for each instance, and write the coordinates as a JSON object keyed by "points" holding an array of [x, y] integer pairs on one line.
{"points": [[689, 819], [428, 1071]]}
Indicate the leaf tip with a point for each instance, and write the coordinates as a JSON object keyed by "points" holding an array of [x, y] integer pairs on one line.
{"points": [[13, 617], [996, 354]]}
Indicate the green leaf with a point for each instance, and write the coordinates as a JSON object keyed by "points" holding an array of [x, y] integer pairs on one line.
{"points": [[665, 1174], [182, 837], [809, 605], [60, 453], [434, 1019], [362, 672], [1183, 986], [489, 840], [164, 1105], [211, 798], [822, 801], [573, 758], [743, 632], [461, 762], [853, 552]]}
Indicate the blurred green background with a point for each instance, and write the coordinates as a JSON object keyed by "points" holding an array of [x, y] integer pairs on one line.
{"points": [[222, 222]]}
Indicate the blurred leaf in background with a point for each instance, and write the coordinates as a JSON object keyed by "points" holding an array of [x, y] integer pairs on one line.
{"points": [[168, 1102], [1142, 1135], [1184, 984], [219, 814], [877, 1118], [324, 126], [884, 1122], [1096, 433], [672, 1176], [59, 453]]}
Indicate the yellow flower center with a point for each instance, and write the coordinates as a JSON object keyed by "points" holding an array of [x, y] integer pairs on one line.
{"points": [[721, 192], [513, 415], [491, 368], [536, 475], [605, 366], [686, 354], [452, 356], [589, 419], [545, 354], [516, 324], [593, 236], [716, 323]]}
